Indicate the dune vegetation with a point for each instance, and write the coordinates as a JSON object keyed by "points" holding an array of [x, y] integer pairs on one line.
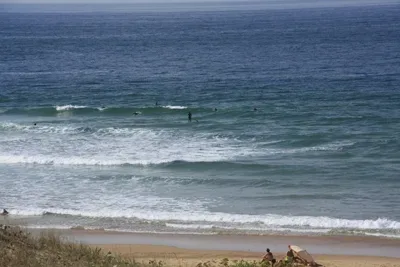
{"points": [[20, 248]]}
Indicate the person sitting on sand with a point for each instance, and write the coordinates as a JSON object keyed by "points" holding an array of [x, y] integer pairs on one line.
{"points": [[5, 212], [290, 257], [269, 257]]}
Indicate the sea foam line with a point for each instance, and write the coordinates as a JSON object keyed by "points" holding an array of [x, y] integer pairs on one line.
{"points": [[84, 161], [218, 218]]}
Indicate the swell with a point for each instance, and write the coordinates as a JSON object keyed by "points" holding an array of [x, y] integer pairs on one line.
{"points": [[237, 182], [217, 181], [214, 165]]}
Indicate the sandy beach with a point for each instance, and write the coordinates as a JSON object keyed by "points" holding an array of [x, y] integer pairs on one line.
{"points": [[189, 250], [186, 257]]}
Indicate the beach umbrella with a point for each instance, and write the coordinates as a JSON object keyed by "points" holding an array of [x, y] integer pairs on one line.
{"points": [[302, 253]]}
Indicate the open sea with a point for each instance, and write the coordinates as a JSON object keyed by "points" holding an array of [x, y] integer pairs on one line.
{"points": [[295, 129]]}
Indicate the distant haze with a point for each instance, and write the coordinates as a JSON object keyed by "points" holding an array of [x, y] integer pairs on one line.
{"points": [[266, 2], [172, 5]]}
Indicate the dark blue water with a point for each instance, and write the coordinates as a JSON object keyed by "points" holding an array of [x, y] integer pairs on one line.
{"points": [[296, 115]]}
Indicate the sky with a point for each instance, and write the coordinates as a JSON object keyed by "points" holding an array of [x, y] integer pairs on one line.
{"points": [[308, 2]]}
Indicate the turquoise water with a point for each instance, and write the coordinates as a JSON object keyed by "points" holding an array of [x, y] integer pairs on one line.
{"points": [[296, 115]]}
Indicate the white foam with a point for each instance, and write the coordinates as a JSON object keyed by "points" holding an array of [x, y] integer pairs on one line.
{"points": [[56, 226], [174, 107], [109, 154], [382, 235], [41, 128], [115, 146], [283, 221], [248, 228], [51, 160], [232, 221], [11, 125], [69, 107], [333, 146], [189, 226], [135, 146]]}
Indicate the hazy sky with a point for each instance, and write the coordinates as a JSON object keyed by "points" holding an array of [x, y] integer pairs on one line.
{"points": [[308, 2]]}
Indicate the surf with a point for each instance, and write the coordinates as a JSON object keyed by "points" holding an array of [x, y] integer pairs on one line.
{"points": [[219, 222]]}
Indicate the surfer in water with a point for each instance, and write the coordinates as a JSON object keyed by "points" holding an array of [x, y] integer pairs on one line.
{"points": [[190, 116], [5, 212]]}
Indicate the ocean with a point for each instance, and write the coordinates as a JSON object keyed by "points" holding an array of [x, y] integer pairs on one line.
{"points": [[295, 128]]}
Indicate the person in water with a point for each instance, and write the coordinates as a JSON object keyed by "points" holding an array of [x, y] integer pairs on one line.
{"points": [[269, 257], [190, 116], [5, 212]]}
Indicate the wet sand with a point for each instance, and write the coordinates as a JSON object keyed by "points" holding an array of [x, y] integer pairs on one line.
{"points": [[323, 245]]}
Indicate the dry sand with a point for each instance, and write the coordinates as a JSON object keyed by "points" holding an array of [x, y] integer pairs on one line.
{"points": [[187, 250], [186, 257]]}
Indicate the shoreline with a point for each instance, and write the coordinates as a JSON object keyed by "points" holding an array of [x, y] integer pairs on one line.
{"points": [[316, 245]]}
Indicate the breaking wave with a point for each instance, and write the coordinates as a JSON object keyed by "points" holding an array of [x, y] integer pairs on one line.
{"points": [[87, 110], [217, 220], [69, 107]]}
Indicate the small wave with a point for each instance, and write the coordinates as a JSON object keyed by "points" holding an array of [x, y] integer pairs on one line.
{"points": [[334, 146], [175, 107], [381, 235], [98, 161], [78, 161], [189, 226], [68, 107], [244, 229], [226, 182], [44, 128], [199, 163]]}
